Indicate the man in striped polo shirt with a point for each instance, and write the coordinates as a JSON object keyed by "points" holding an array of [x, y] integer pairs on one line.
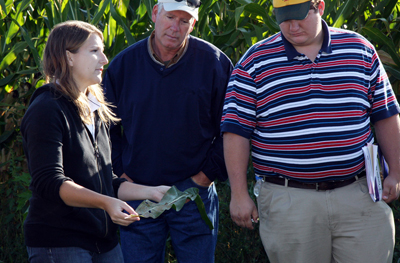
{"points": [[305, 98]]}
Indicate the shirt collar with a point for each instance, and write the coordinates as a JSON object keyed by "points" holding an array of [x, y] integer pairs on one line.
{"points": [[94, 104], [158, 60], [291, 52]]}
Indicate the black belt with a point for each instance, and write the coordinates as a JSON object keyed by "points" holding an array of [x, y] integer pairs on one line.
{"points": [[330, 185]]}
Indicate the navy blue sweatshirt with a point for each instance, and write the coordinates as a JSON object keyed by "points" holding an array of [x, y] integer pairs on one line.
{"points": [[170, 116], [59, 147]]}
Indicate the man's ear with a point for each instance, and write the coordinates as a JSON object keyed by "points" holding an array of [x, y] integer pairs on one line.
{"points": [[69, 59], [192, 26], [321, 7], [154, 13]]}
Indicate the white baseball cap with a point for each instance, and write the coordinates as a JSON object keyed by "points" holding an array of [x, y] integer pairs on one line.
{"points": [[189, 6]]}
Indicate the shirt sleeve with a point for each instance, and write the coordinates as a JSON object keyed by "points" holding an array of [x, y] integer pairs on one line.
{"points": [[384, 103], [116, 182], [239, 114], [214, 167], [43, 129]]}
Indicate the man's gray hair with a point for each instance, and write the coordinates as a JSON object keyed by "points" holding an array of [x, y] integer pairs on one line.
{"points": [[160, 7]]}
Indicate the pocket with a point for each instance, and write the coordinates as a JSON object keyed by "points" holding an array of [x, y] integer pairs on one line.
{"points": [[199, 186], [363, 185]]}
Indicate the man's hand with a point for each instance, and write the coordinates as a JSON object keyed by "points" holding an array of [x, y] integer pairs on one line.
{"points": [[158, 192], [388, 134], [201, 179], [391, 189], [243, 211]]}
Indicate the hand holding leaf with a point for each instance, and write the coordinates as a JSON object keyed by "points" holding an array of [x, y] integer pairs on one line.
{"points": [[175, 199]]}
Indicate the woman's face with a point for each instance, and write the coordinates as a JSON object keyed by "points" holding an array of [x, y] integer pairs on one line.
{"points": [[87, 64]]}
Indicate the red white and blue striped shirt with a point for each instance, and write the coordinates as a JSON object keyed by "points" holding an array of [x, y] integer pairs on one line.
{"points": [[308, 120]]}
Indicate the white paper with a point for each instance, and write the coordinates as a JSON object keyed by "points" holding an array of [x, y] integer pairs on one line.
{"points": [[372, 170]]}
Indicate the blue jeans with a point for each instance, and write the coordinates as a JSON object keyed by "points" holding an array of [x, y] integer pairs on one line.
{"points": [[192, 240], [72, 255]]}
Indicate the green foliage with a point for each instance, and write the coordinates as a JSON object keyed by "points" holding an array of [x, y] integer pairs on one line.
{"points": [[231, 25]]}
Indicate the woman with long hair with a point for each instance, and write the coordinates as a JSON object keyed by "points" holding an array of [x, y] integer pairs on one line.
{"points": [[74, 207]]}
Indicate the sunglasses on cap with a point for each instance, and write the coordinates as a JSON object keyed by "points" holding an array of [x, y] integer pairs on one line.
{"points": [[191, 3]]}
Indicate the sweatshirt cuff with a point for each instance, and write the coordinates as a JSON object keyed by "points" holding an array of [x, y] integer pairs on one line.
{"points": [[116, 184]]}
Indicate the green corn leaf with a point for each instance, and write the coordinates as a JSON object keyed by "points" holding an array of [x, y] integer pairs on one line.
{"points": [[6, 80], [122, 7], [377, 36], [29, 42], [12, 55], [13, 29], [175, 199], [64, 9], [149, 7], [128, 35], [100, 11], [6, 135], [73, 11], [3, 9], [238, 12], [244, 2], [344, 12], [395, 72], [49, 19], [389, 5]]}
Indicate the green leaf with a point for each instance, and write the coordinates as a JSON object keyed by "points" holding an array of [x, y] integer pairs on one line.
{"points": [[64, 9], [29, 42], [149, 6], [244, 2], [393, 71], [344, 13], [175, 199], [6, 80], [238, 12], [3, 9], [13, 29], [377, 36], [5, 135], [12, 55], [128, 35], [100, 11]]}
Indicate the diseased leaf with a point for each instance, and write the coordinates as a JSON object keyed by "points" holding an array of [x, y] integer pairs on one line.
{"points": [[175, 199]]}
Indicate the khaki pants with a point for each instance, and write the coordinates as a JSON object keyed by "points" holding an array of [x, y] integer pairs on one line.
{"points": [[342, 225]]}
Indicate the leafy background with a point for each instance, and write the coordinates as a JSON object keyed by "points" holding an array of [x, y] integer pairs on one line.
{"points": [[231, 25]]}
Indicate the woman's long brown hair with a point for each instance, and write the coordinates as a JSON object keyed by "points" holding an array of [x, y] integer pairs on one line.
{"points": [[70, 36]]}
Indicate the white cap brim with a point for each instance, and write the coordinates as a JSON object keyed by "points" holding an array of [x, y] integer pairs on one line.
{"points": [[169, 6]]}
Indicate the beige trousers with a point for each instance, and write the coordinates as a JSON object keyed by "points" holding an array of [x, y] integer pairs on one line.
{"points": [[342, 225]]}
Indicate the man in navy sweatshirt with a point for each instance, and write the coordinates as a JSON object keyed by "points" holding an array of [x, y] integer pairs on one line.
{"points": [[169, 90]]}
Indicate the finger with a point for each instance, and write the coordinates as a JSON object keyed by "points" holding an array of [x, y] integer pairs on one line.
{"points": [[386, 192], [254, 216], [248, 223], [128, 209]]}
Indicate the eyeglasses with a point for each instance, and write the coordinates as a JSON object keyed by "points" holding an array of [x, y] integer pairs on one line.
{"points": [[191, 3]]}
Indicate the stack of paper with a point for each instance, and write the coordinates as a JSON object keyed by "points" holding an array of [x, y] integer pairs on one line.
{"points": [[372, 169]]}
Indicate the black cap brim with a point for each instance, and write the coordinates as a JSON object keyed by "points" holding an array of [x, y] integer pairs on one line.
{"points": [[292, 12]]}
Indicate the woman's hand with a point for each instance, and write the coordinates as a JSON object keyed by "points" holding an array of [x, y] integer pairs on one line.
{"points": [[115, 207], [75, 195]]}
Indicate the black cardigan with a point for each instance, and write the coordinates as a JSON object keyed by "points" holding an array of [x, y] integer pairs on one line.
{"points": [[59, 147]]}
